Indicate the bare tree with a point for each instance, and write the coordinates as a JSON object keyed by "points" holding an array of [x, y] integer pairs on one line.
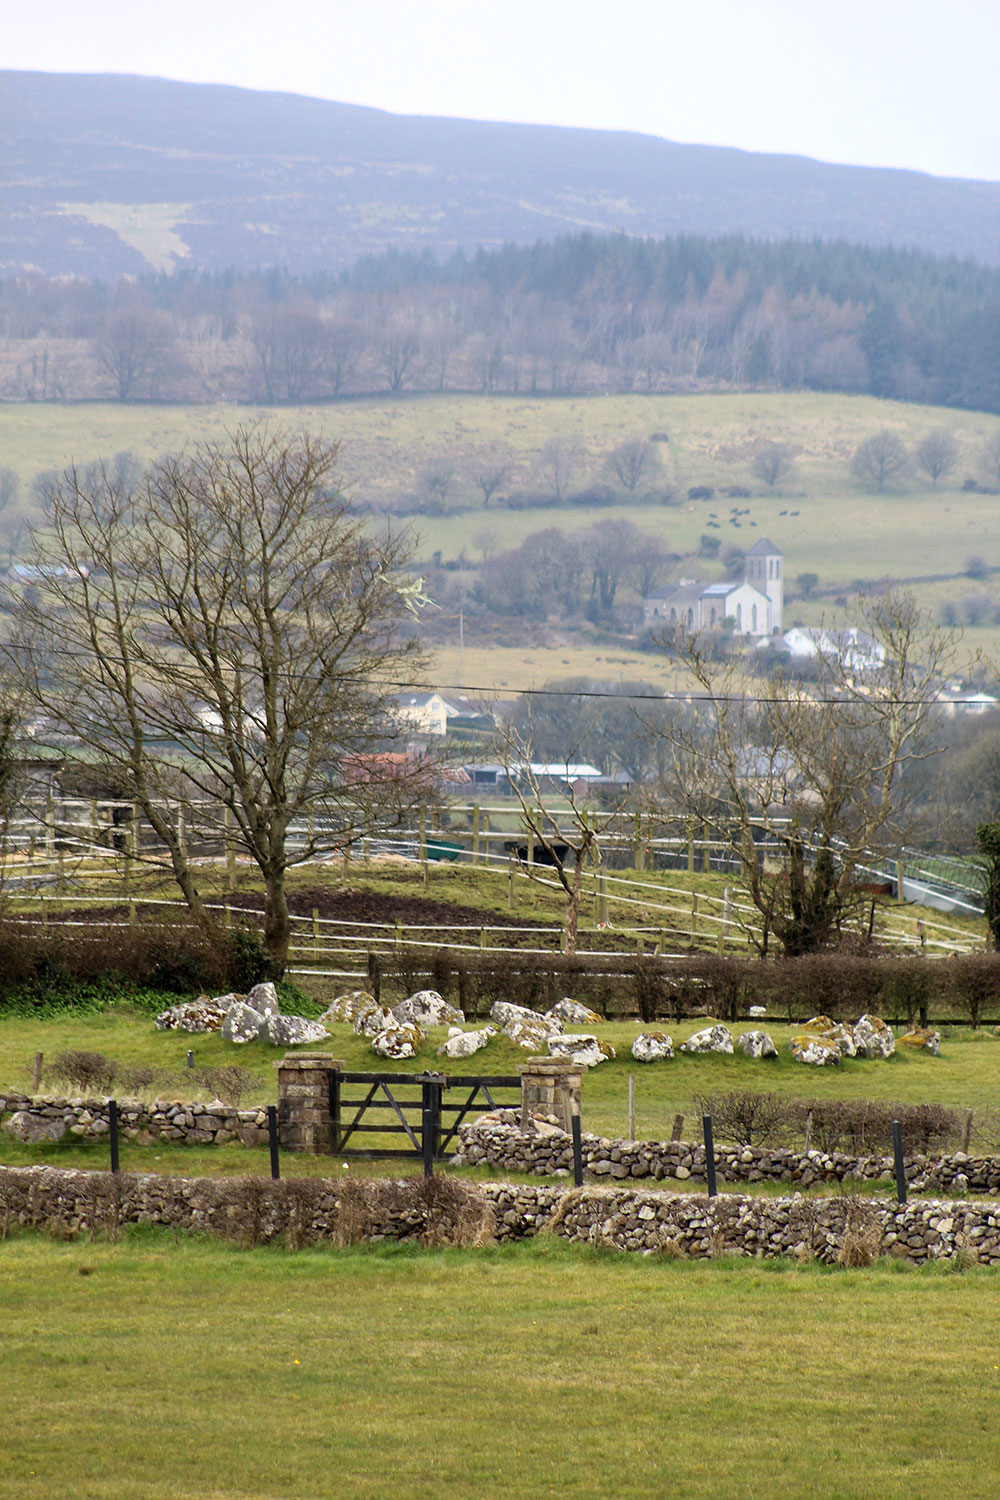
{"points": [[223, 635], [489, 469], [133, 347], [806, 789], [771, 463], [633, 463], [395, 341], [558, 461], [938, 454], [292, 348], [880, 459], [569, 835], [612, 549], [989, 459]]}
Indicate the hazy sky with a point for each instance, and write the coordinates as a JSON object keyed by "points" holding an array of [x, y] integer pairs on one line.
{"points": [[902, 83]]}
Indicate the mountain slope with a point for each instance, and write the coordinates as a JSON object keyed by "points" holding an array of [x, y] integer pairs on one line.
{"points": [[101, 175]]}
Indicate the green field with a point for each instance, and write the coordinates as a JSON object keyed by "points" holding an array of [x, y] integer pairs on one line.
{"points": [[841, 534], [201, 1370], [965, 1076]]}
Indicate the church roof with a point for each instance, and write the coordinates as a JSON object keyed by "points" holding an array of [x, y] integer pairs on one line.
{"points": [[764, 548]]}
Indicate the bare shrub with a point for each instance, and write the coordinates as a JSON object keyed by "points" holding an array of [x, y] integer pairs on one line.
{"points": [[864, 1126], [437, 1210], [862, 1234], [744, 1117], [89, 1071], [230, 1083]]}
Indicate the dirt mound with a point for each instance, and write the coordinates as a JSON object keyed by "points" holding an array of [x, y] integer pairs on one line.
{"points": [[382, 908]]}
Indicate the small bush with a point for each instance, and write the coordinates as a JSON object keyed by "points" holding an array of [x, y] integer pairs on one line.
{"points": [[230, 1083], [90, 1072]]}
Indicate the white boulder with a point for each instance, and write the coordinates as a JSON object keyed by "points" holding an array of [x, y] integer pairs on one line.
{"points": [[374, 1019], [873, 1037], [652, 1046], [203, 1014], [465, 1043], [531, 1035], [503, 1011], [573, 1013], [345, 1009], [264, 997], [586, 1050], [716, 1038], [756, 1044], [815, 1050], [242, 1023], [426, 1008], [291, 1031], [398, 1042]]}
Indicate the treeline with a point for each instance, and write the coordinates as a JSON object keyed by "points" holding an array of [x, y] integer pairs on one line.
{"points": [[583, 313]]}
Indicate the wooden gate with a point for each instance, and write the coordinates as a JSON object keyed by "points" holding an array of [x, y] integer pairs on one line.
{"points": [[425, 1108]]}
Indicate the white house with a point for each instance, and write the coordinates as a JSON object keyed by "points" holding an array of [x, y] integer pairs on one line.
{"points": [[753, 605], [852, 647]]}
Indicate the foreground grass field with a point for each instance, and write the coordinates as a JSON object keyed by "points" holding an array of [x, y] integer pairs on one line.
{"points": [[199, 1370]]}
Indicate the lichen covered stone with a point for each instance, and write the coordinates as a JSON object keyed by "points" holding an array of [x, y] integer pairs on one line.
{"points": [[873, 1038], [398, 1042], [503, 1011], [652, 1046], [427, 1008], [756, 1044], [345, 1009], [716, 1038], [573, 1013], [816, 1051], [373, 1019], [922, 1039], [586, 1050]]}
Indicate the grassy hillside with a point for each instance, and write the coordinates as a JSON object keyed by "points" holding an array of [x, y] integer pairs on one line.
{"points": [[840, 532]]}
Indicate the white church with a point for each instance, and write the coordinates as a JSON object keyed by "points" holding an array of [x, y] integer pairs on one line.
{"points": [[751, 607]]}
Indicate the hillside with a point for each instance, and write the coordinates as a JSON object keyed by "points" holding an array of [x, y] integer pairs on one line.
{"points": [[105, 175]]}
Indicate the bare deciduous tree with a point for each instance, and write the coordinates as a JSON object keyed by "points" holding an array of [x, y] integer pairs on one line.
{"points": [[558, 461], [805, 787], [771, 463], [221, 634], [879, 459], [989, 459], [568, 834], [133, 347], [489, 469], [938, 454], [633, 463]]}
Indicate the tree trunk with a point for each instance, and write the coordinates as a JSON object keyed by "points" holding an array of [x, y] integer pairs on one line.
{"points": [[277, 921]]}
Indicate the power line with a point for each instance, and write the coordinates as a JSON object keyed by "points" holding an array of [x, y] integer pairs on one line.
{"points": [[665, 697]]}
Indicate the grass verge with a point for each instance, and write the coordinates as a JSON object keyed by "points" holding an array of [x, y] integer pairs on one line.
{"points": [[200, 1370]]}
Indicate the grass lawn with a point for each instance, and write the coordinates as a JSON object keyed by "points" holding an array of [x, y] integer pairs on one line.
{"points": [[201, 1370]]}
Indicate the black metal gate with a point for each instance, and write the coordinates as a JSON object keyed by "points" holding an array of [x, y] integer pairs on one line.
{"points": [[413, 1105]]}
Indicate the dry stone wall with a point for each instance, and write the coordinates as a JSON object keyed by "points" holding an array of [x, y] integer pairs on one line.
{"points": [[498, 1140], [161, 1120], [637, 1219]]}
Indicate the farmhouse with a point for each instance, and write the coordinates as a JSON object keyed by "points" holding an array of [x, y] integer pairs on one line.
{"points": [[750, 607], [853, 648], [432, 713]]}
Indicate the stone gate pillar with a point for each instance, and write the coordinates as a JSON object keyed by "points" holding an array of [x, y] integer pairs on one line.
{"points": [[304, 1102], [550, 1086]]}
